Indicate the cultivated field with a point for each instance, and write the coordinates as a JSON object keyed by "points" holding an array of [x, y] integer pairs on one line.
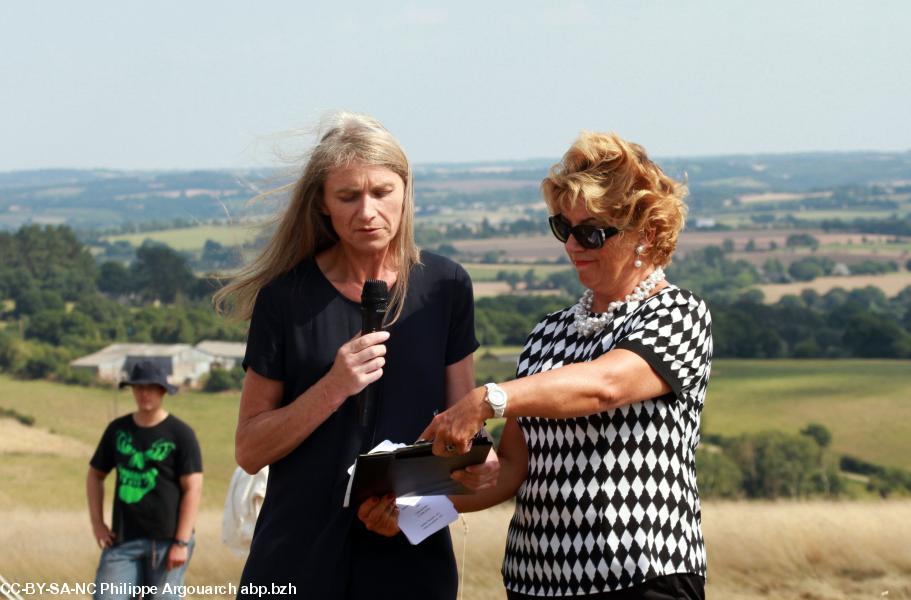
{"points": [[467, 186], [193, 238], [781, 197], [485, 289], [545, 247], [890, 283], [522, 249], [849, 248], [839, 247], [482, 272]]}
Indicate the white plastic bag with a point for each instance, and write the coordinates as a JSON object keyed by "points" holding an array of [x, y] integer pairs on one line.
{"points": [[242, 504]]}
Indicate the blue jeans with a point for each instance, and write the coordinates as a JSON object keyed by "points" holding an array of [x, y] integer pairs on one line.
{"points": [[125, 567]]}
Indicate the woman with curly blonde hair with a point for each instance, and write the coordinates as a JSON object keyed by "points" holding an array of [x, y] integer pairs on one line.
{"points": [[603, 418]]}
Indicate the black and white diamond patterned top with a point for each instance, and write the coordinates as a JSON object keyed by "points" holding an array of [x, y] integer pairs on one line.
{"points": [[610, 499]]}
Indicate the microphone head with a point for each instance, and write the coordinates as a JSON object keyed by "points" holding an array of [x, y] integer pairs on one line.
{"points": [[375, 294]]}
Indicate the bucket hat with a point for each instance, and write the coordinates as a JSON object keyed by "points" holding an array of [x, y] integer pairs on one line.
{"points": [[147, 372]]}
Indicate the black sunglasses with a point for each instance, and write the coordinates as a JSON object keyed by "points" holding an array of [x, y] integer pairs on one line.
{"points": [[588, 236]]}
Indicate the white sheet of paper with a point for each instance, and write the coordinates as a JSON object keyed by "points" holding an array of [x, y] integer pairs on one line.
{"points": [[419, 516]]}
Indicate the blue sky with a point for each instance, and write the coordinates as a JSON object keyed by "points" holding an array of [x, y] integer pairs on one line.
{"points": [[203, 84]]}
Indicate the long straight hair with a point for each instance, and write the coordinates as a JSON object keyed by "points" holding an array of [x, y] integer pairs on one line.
{"points": [[302, 231]]}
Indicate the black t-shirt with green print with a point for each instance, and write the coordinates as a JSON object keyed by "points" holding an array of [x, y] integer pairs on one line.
{"points": [[149, 462]]}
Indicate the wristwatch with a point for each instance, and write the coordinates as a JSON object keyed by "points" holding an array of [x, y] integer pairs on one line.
{"points": [[496, 398], [181, 543]]}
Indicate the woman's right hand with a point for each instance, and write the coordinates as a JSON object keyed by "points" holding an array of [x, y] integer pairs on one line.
{"points": [[380, 515], [359, 362]]}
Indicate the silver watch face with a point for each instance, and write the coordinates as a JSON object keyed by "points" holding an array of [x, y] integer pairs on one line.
{"points": [[496, 396]]}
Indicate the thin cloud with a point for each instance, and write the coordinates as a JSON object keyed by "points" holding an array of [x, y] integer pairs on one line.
{"points": [[425, 16]]}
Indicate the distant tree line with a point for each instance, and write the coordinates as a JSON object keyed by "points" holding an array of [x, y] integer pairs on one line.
{"points": [[214, 257], [885, 481], [57, 304], [435, 235], [860, 323], [772, 465], [220, 380], [776, 464], [768, 464], [895, 225]]}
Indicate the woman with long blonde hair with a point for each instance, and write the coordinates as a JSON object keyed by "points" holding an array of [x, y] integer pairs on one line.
{"points": [[349, 219]]}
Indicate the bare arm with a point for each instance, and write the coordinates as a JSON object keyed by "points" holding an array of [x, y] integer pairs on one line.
{"points": [[190, 496], [615, 379], [94, 491], [513, 460], [267, 431], [460, 381]]}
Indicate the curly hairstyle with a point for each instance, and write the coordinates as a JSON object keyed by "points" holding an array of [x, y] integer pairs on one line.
{"points": [[620, 187]]}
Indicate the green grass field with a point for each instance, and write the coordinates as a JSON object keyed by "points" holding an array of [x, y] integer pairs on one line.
{"points": [[193, 238], [865, 404], [490, 367], [82, 413], [488, 272]]}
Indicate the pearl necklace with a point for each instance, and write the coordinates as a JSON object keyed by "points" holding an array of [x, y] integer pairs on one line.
{"points": [[588, 323]]}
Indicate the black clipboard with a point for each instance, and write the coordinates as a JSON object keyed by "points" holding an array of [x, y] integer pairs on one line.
{"points": [[413, 471]]}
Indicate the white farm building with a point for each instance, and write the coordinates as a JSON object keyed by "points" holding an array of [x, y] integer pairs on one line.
{"points": [[183, 363]]}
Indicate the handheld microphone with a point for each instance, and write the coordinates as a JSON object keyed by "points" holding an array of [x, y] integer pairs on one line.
{"points": [[374, 302]]}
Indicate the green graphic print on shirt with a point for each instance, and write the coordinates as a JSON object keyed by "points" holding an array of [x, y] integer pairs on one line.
{"points": [[135, 479]]}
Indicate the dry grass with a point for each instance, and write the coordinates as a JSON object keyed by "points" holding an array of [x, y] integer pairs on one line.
{"points": [[57, 546], [807, 551], [813, 550], [16, 438]]}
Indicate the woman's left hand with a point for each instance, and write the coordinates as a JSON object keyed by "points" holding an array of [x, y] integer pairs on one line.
{"points": [[480, 477], [380, 515], [453, 429]]}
